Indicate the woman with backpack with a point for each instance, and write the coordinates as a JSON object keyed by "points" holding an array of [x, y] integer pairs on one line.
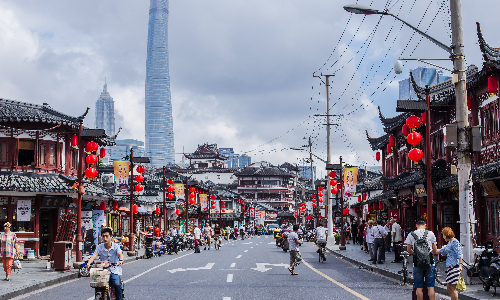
{"points": [[453, 253]]}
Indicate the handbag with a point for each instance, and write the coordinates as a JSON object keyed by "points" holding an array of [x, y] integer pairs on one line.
{"points": [[16, 265], [461, 283]]}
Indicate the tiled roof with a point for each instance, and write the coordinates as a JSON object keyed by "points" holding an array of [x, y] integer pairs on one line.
{"points": [[378, 143], [405, 179], [392, 123], [264, 171], [410, 105], [20, 112]]}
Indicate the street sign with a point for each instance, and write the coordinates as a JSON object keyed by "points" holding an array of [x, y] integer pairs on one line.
{"points": [[141, 160], [333, 166]]}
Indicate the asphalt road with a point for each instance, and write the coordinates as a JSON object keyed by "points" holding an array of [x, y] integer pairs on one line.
{"points": [[250, 269]]}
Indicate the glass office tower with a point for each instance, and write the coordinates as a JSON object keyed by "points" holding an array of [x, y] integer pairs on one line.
{"points": [[159, 125], [105, 112]]}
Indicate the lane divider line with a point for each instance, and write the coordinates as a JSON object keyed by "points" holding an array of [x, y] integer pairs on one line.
{"points": [[229, 277], [233, 265], [239, 256], [245, 251], [336, 282]]}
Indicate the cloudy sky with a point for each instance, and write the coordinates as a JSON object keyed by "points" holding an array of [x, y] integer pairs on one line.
{"points": [[241, 71]]}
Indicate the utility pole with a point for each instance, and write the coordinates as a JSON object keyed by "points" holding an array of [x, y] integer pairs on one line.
{"points": [[467, 217], [165, 228], [342, 233], [131, 236], [312, 174]]}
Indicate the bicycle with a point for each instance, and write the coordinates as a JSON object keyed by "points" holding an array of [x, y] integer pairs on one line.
{"points": [[321, 252], [404, 271]]}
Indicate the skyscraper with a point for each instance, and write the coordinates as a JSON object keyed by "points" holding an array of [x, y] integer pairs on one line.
{"points": [[159, 124], [105, 112]]}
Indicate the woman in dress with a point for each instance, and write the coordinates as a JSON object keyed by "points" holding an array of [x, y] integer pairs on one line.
{"points": [[9, 243], [453, 253]]}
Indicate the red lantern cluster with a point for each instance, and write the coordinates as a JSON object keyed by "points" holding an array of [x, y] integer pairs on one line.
{"points": [[170, 188], [192, 196]]}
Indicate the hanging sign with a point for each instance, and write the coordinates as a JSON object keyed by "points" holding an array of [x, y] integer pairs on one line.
{"points": [[52, 202], [350, 180], [97, 221], [203, 201], [121, 169], [87, 219], [420, 190], [23, 210], [179, 190], [394, 214]]}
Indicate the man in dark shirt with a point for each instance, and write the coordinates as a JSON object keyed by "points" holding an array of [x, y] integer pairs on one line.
{"points": [[361, 232], [354, 231]]}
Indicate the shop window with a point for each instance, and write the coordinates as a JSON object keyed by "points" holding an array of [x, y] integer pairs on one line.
{"points": [[43, 154], [26, 154], [26, 226], [52, 155], [4, 153]]}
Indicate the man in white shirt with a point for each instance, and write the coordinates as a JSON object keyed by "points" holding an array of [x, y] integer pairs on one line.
{"points": [[369, 238], [396, 241], [173, 232], [379, 233], [197, 233], [320, 237]]}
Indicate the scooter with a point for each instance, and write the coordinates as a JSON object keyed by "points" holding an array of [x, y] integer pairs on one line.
{"points": [[149, 245], [172, 245], [489, 266], [99, 280]]}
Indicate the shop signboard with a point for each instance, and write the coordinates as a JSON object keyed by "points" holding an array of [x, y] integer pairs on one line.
{"points": [[54, 202], [87, 219], [203, 201], [121, 170], [23, 210], [394, 214], [179, 191]]}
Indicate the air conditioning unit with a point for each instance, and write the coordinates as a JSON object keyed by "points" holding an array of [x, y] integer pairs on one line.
{"points": [[108, 180]]}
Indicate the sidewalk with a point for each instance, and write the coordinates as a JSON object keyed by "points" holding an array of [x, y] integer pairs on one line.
{"points": [[353, 254], [34, 276]]}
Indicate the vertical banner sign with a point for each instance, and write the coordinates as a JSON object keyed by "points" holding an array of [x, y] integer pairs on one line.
{"points": [[394, 214], [121, 170], [23, 210], [183, 225], [203, 201], [97, 221], [350, 180], [179, 191], [87, 219]]}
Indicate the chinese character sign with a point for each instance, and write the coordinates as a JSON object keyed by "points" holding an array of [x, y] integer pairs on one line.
{"points": [[203, 201], [87, 219], [394, 214], [350, 180], [121, 170], [179, 191], [23, 210]]}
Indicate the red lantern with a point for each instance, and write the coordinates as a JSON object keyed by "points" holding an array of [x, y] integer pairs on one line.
{"points": [[320, 195], [314, 200], [170, 188], [375, 206], [389, 149], [314, 204], [415, 154], [332, 174], [377, 156], [320, 200], [314, 196], [424, 117], [320, 189], [369, 208], [381, 205], [74, 140], [102, 206], [139, 178], [414, 138], [356, 210], [141, 169], [364, 196], [157, 210], [213, 206], [333, 182], [192, 195], [87, 147], [91, 159], [90, 172], [213, 197], [335, 190], [115, 205], [177, 211], [406, 130], [413, 122], [102, 153], [93, 146], [213, 202], [359, 198], [138, 188], [192, 189], [135, 208], [170, 181], [391, 141], [469, 103], [223, 210], [170, 196], [492, 85], [191, 201]]}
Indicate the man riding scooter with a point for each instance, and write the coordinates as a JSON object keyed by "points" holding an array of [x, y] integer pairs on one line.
{"points": [[111, 252]]}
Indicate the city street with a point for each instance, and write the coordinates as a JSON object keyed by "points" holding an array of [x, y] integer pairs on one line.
{"points": [[250, 269]]}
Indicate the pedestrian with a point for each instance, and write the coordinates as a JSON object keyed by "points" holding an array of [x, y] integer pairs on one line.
{"points": [[388, 239], [369, 239], [354, 231], [157, 231], [293, 244], [453, 253], [8, 249], [197, 233], [361, 234], [422, 244], [378, 233], [397, 239], [173, 232], [347, 231], [207, 235]]}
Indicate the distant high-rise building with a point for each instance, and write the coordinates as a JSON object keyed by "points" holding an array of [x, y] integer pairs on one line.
{"points": [[235, 160], [121, 151], [159, 124], [423, 77], [105, 112]]}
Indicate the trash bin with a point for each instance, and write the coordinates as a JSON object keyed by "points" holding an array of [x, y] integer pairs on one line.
{"points": [[62, 255]]}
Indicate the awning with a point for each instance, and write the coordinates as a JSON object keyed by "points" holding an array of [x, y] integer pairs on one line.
{"points": [[123, 209]]}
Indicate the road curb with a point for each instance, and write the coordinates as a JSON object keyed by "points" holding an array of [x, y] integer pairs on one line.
{"points": [[389, 274], [55, 281]]}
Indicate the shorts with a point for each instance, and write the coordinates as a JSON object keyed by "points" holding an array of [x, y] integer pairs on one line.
{"points": [[424, 276], [452, 274]]}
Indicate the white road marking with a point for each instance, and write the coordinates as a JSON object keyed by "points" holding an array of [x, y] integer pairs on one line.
{"points": [[229, 277], [252, 247], [207, 267], [233, 265], [239, 256], [271, 243], [147, 271], [226, 298], [261, 267], [245, 251], [247, 243]]}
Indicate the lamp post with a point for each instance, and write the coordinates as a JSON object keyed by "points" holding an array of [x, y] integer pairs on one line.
{"points": [[131, 236], [467, 218]]}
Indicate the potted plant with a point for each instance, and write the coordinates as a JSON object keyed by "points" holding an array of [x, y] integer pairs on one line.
{"points": [[337, 238]]}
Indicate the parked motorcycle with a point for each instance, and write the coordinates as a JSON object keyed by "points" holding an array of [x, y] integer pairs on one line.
{"points": [[172, 245], [149, 246], [489, 266]]}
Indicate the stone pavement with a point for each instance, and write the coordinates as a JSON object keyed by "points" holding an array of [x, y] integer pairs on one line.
{"points": [[34, 275], [354, 255]]}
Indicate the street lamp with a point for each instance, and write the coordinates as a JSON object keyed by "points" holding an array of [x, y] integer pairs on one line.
{"points": [[457, 54]]}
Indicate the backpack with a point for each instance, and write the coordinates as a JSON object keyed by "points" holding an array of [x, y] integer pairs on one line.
{"points": [[422, 257]]}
